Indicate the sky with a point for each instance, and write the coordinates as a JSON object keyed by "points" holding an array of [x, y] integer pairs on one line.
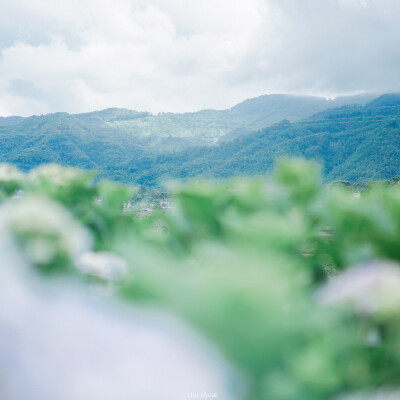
{"points": [[186, 55]]}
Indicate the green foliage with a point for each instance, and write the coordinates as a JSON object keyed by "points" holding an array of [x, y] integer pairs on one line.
{"points": [[247, 263]]}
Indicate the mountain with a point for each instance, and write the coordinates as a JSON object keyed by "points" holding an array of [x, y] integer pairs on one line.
{"points": [[386, 100], [357, 140], [351, 142], [266, 110], [9, 121], [171, 132]]}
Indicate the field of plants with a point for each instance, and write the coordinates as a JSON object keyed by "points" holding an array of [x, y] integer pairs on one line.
{"points": [[294, 285]]}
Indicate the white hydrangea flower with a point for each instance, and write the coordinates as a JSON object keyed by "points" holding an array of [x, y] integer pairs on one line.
{"points": [[41, 218], [56, 174], [105, 265], [10, 173], [370, 288]]}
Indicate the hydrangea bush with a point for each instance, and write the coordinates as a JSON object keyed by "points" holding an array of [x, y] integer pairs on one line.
{"points": [[296, 283]]}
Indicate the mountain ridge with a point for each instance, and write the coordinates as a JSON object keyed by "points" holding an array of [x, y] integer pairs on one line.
{"points": [[352, 142], [204, 127]]}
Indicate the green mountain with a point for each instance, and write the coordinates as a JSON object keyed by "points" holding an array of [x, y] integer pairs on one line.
{"points": [[167, 131], [9, 121], [264, 111], [351, 142], [355, 141]]}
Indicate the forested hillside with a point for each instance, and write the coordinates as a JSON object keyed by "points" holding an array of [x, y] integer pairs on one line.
{"points": [[163, 132], [352, 142]]}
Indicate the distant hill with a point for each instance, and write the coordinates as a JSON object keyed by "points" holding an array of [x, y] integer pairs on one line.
{"points": [[266, 110], [9, 121], [386, 100], [171, 132], [357, 139], [351, 142]]}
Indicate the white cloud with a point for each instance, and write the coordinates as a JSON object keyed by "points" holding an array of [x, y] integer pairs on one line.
{"points": [[166, 55]]}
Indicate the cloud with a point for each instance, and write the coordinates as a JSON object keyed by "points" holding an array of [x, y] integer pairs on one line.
{"points": [[160, 55]]}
